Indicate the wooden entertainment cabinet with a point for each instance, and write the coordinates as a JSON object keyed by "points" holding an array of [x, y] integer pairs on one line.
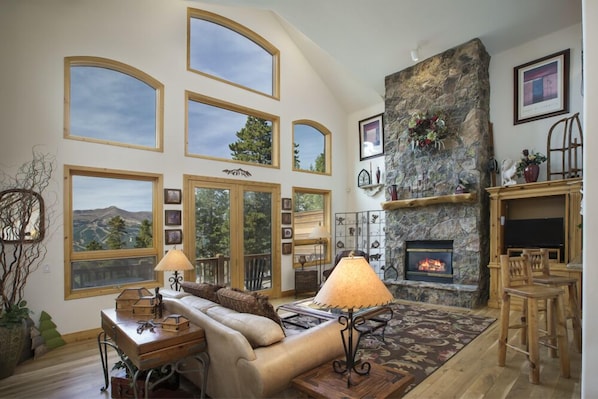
{"points": [[548, 199]]}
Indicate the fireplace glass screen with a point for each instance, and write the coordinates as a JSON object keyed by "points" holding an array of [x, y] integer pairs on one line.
{"points": [[429, 260]]}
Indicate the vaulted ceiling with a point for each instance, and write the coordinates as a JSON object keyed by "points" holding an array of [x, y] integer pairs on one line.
{"points": [[354, 44]]}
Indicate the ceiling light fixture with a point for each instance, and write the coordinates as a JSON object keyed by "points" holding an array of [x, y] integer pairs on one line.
{"points": [[415, 55]]}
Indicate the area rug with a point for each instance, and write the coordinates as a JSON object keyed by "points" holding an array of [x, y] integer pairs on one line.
{"points": [[420, 338]]}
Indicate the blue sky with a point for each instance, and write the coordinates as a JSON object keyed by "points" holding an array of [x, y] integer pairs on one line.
{"points": [[98, 192], [110, 105]]}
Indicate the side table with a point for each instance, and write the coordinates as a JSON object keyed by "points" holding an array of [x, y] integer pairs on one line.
{"points": [[324, 383], [145, 349], [306, 281]]}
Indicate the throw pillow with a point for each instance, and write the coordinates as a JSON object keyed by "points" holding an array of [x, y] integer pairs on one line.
{"points": [[202, 290], [248, 302]]}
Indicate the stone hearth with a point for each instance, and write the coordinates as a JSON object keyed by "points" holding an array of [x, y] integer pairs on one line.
{"points": [[456, 83]]}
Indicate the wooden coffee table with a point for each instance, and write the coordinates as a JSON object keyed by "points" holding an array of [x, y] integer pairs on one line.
{"points": [[148, 348], [324, 383]]}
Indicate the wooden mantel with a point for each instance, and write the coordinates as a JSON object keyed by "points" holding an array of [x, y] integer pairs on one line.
{"points": [[426, 201]]}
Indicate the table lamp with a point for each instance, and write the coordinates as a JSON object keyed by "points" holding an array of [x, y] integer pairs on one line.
{"points": [[174, 261], [354, 285]]}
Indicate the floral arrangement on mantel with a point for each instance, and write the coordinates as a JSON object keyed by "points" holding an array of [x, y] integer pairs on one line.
{"points": [[529, 159], [426, 131]]}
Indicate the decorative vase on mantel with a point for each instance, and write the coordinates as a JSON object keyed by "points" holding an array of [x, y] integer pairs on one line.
{"points": [[531, 172]]}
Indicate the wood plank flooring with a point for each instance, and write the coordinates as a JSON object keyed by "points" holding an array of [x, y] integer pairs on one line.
{"points": [[74, 371]]}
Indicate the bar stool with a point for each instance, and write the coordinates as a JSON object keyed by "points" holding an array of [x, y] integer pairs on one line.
{"points": [[517, 282], [541, 275]]}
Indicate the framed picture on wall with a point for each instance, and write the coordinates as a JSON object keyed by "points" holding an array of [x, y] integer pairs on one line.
{"points": [[286, 218], [172, 237], [542, 88], [287, 204], [287, 248], [172, 217], [172, 196], [371, 137], [287, 232]]}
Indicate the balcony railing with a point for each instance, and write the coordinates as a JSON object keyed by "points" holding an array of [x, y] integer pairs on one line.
{"points": [[216, 270]]}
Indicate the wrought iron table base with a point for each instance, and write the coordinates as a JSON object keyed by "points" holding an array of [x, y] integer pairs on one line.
{"points": [[170, 368]]}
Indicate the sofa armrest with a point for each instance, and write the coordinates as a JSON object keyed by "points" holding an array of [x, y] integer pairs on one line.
{"points": [[276, 365], [226, 347]]}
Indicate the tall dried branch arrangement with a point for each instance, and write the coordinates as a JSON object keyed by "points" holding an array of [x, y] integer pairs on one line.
{"points": [[20, 252]]}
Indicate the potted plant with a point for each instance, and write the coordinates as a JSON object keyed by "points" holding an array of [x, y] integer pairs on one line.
{"points": [[22, 228], [529, 165]]}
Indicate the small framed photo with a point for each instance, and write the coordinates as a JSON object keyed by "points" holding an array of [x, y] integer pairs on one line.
{"points": [[172, 217], [286, 218], [174, 236], [172, 196], [287, 248], [287, 232], [371, 137], [287, 204], [542, 88]]}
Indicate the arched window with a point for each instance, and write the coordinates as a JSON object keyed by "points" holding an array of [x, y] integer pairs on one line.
{"points": [[112, 103], [223, 49], [311, 147]]}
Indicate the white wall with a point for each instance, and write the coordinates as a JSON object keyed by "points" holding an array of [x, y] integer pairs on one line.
{"points": [[149, 35], [510, 139], [589, 366], [360, 199]]}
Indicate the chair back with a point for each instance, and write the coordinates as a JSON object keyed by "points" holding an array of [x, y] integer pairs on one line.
{"points": [[255, 268], [539, 261], [515, 271]]}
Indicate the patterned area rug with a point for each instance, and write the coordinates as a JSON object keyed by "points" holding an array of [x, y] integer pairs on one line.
{"points": [[420, 338]]}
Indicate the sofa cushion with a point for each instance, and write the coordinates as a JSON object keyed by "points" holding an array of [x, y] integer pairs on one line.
{"points": [[202, 290], [258, 330], [248, 302], [198, 303]]}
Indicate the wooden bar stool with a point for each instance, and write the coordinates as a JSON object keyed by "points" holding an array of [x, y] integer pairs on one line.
{"points": [[541, 275], [517, 282]]}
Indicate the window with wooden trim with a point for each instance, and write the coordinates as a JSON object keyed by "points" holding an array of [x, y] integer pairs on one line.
{"points": [[109, 102], [228, 51], [220, 130], [311, 147], [113, 226], [311, 210]]}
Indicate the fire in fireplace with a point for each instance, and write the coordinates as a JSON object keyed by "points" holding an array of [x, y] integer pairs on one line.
{"points": [[429, 260]]}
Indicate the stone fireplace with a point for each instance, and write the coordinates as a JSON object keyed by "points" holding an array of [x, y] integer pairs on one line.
{"points": [[456, 83]]}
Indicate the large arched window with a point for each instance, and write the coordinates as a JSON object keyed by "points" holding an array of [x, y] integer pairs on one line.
{"points": [[112, 103], [223, 49], [311, 147]]}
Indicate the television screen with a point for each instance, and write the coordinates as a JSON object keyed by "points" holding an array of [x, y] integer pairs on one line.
{"points": [[535, 233]]}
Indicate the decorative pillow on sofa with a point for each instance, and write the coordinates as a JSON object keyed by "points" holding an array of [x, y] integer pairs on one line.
{"points": [[248, 302], [259, 330], [202, 290]]}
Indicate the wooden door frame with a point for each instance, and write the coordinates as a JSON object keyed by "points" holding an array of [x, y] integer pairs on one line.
{"points": [[237, 187]]}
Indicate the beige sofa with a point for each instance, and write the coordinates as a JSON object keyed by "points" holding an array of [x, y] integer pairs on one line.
{"points": [[251, 356]]}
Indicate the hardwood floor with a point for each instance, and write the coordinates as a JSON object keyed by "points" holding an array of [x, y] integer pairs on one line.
{"points": [[74, 371]]}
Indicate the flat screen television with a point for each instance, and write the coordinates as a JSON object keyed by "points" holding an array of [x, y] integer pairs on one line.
{"points": [[535, 233]]}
